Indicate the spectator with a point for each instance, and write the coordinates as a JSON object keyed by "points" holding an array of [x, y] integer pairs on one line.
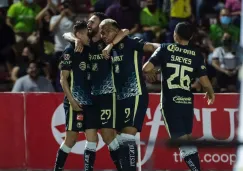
{"points": [[234, 7], [153, 22], [226, 64], [43, 20], [225, 25], [125, 15], [7, 41], [208, 7], [179, 11], [59, 25], [21, 18], [33, 82], [21, 68]]}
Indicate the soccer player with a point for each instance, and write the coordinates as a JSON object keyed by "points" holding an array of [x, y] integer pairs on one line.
{"points": [[180, 63], [102, 84], [77, 102], [132, 95]]}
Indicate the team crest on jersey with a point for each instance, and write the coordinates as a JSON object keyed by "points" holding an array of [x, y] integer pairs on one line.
{"points": [[203, 67], [82, 66], [79, 125], [117, 69], [95, 67], [66, 57], [100, 46], [121, 46]]}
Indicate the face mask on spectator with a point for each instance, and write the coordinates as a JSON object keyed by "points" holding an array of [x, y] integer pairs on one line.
{"points": [[29, 1], [225, 20]]}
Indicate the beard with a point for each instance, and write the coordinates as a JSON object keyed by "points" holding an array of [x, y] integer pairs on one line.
{"points": [[93, 32]]}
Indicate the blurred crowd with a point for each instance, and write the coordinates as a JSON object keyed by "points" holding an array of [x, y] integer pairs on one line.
{"points": [[31, 36]]}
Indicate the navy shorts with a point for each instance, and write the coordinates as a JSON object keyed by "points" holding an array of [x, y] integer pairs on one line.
{"points": [[132, 111], [105, 110], [178, 119], [79, 121]]}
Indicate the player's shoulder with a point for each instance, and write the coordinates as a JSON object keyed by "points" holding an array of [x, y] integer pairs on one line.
{"points": [[165, 45], [97, 46], [69, 48], [134, 39]]}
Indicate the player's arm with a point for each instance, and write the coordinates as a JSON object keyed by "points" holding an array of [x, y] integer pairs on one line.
{"points": [[149, 67], [66, 66], [204, 81], [207, 86], [71, 38], [154, 60], [65, 86], [150, 47], [121, 34]]}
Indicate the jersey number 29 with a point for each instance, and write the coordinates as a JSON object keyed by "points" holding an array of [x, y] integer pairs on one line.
{"points": [[179, 71]]}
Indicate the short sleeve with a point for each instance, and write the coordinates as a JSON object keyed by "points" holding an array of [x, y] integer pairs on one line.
{"points": [[18, 86], [156, 58], [217, 53], [137, 44], [12, 11], [53, 19], [201, 68], [66, 59]]}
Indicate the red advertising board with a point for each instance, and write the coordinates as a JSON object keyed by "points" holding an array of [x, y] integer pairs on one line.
{"points": [[12, 137], [214, 122], [45, 132]]}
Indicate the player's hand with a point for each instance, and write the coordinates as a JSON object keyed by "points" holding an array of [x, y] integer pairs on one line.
{"points": [[76, 105], [78, 46], [107, 50], [210, 97], [151, 76]]}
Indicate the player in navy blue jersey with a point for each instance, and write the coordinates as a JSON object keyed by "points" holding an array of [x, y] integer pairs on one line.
{"points": [[132, 95], [78, 101], [180, 64], [102, 84]]}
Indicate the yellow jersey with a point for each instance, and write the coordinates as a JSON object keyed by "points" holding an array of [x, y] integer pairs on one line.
{"points": [[180, 8]]}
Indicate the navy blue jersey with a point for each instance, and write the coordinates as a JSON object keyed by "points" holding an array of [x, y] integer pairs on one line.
{"points": [[102, 77], [127, 58], [78, 64], [179, 66]]}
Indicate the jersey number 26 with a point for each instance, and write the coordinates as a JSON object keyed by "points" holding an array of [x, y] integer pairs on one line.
{"points": [[179, 71]]}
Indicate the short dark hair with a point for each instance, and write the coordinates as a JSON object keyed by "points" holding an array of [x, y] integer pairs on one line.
{"points": [[185, 30], [100, 15], [79, 25]]}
